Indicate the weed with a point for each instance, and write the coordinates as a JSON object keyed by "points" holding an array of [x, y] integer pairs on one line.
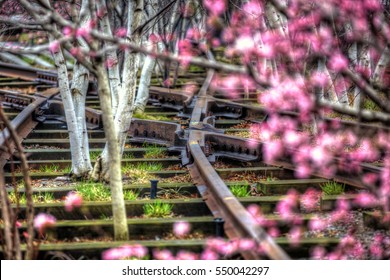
{"points": [[144, 116], [94, 155], [37, 198], [368, 104], [43, 198], [332, 188], [94, 192], [149, 166], [158, 209], [155, 151], [14, 197], [128, 156], [130, 195], [240, 190], [67, 169], [140, 173], [104, 217], [49, 168]]}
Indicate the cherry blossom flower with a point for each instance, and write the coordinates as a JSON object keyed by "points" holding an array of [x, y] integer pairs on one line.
{"points": [[124, 252], [215, 7], [181, 228], [163, 255], [54, 46], [365, 200], [338, 62], [121, 32], [185, 255], [43, 221], [317, 224], [208, 254], [246, 244], [73, 200]]}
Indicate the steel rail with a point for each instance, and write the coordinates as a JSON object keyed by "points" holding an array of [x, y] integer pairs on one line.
{"points": [[239, 224], [25, 121], [28, 73]]}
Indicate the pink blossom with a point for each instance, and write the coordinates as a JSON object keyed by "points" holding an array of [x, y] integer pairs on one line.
{"points": [[125, 251], [310, 199], [185, 255], [18, 224], [317, 224], [73, 200], [273, 150], [163, 255], [139, 251], [366, 200], [181, 228], [82, 32], [303, 171], [318, 252], [43, 221], [111, 62], [253, 7], [215, 7], [338, 62], [254, 210], [246, 244], [54, 46], [121, 32], [114, 254], [295, 235], [67, 31], [320, 79], [244, 44], [320, 156], [209, 255], [376, 250], [273, 232]]}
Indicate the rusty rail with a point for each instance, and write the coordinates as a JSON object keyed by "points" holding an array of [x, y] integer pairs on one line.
{"points": [[28, 73], [26, 120]]}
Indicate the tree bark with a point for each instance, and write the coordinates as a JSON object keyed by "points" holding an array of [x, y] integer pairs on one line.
{"points": [[127, 89], [114, 158]]}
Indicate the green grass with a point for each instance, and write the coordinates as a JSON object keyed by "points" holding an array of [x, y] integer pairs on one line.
{"points": [[94, 155], [158, 209], [240, 190], [43, 198], [91, 191], [50, 168], [94, 192], [154, 151], [37, 198], [139, 173], [368, 104], [13, 197], [145, 116], [130, 195], [332, 188], [128, 156]]}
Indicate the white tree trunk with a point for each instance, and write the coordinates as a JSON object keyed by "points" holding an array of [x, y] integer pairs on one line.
{"points": [[78, 136], [111, 59], [330, 94], [147, 70], [114, 158], [381, 66], [126, 91]]}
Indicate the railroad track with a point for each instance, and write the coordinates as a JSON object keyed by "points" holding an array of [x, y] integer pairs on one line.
{"points": [[193, 143]]}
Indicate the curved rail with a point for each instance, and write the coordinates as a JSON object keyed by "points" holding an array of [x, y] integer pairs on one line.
{"points": [[25, 121]]}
